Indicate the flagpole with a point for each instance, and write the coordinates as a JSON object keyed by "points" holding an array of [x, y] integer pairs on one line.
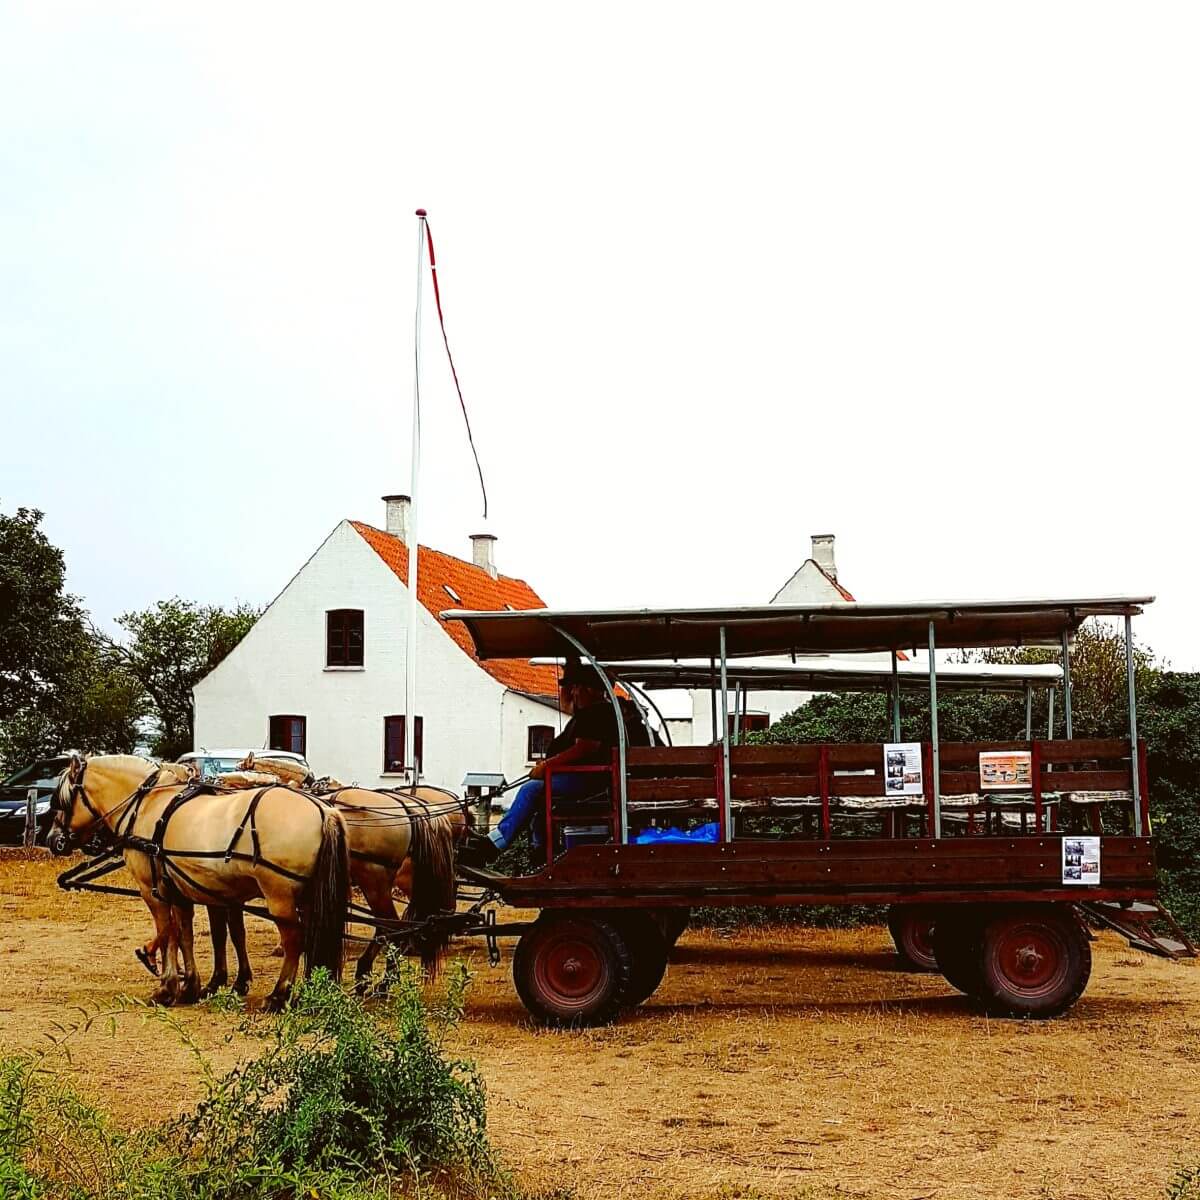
{"points": [[410, 652]]}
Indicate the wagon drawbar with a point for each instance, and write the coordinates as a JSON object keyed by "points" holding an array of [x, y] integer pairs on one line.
{"points": [[986, 851]]}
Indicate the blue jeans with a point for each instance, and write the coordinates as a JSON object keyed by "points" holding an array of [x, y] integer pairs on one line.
{"points": [[530, 805]]}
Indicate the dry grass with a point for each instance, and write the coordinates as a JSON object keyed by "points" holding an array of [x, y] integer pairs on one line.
{"points": [[774, 1063]]}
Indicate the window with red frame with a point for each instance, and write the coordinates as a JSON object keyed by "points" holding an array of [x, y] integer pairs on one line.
{"points": [[393, 744], [751, 722], [344, 637], [289, 733], [540, 737]]}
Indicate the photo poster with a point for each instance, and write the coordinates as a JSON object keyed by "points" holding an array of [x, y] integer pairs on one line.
{"points": [[902, 772], [1081, 860], [1003, 770]]}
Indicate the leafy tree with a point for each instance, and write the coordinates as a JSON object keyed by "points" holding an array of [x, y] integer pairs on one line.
{"points": [[39, 621], [171, 646], [58, 686]]}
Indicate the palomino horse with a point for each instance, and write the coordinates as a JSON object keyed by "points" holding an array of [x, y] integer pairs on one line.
{"points": [[185, 848], [398, 839]]}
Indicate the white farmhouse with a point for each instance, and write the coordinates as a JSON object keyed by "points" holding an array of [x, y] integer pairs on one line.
{"points": [[322, 671]]}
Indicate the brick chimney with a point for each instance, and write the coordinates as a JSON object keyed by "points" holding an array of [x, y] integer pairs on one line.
{"points": [[399, 514], [822, 554], [483, 552]]}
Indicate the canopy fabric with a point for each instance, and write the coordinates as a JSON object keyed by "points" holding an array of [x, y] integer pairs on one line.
{"points": [[833, 675], [625, 634]]}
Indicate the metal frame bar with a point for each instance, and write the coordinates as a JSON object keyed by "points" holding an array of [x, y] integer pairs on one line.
{"points": [[1049, 714], [645, 695], [895, 698], [1066, 666], [1135, 772], [936, 756], [621, 746], [727, 799], [1029, 712]]}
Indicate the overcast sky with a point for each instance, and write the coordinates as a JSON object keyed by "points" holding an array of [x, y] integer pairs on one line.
{"points": [[716, 278]]}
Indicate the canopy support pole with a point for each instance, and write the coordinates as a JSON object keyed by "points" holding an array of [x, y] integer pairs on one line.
{"points": [[1050, 714], [727, 798], [1029, 712], [895, 699], [1134, 764], [737, 713], [621, 740], [1066, 666], [933, 736], [712, 697]]}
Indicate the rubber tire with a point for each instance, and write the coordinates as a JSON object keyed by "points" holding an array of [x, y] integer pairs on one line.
{"points": [[957, 946], [547, 948], [1041, 932], [672, 921], [648, 951], [911, 926]]}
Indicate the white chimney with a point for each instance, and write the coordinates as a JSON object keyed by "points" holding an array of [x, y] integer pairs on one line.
{"points": [[483, 552], [822, 554], [399, 514]]}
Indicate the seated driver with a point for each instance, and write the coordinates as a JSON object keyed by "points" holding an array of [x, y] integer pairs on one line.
{"points": [[588, 739]]}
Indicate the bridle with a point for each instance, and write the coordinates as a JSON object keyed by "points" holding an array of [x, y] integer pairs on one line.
{"points": [[123, 813]]}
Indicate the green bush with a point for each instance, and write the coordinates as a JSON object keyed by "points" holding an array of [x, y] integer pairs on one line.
{"points": [[341, 1102]]}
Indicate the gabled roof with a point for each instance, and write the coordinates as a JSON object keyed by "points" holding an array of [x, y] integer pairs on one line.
{"points": [[478, 590]]}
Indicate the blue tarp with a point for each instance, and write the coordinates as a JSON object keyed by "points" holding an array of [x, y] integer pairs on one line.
{"points": [[703, 833]]}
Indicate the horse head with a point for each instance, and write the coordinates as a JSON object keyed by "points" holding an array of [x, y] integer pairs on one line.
{"points": [[92, 794]]}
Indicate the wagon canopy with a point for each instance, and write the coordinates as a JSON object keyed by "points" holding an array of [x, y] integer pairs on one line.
{"points": [[839, 675], [621, 635]]}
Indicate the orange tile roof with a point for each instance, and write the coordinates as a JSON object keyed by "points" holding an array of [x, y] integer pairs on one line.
{"points": [[477, 590]]}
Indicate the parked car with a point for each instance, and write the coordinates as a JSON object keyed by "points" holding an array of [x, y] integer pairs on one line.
{"points": [[42, 775], [222, 762]]}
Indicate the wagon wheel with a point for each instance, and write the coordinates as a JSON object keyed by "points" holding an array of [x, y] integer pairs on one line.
{"points": [[1035, 961], [912, 931], [957, 946], [672, 922], [648, 951], [572, 970]]}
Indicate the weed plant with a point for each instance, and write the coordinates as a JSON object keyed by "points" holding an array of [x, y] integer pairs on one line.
{"points": [[342, 1103]]}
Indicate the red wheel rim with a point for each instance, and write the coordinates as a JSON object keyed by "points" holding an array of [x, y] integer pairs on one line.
{"points": [[570, 969], [920, 936], [1031, 958]]}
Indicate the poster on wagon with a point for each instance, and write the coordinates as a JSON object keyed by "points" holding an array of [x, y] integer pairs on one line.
{"points": [[1003, 770], [1081, 860], [902, 773]]}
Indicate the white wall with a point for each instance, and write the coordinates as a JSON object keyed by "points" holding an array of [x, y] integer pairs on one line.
{"points": [[279, 667], [518, 713]]}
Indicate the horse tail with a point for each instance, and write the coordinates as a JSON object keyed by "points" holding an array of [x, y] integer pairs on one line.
{"points": [[326, 897], [434, 888]]}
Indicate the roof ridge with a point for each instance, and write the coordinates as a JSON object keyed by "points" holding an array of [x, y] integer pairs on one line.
{"points": [[466, 562]]}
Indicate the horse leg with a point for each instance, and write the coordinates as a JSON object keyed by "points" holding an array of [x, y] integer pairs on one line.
{"points": [[164, 923], [375, 881], [218, 928], [237, 931], [292, 940], [189, 992]]}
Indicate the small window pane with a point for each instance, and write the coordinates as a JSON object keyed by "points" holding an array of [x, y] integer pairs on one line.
{"points": [[289, 733], [344, 637], [393, 744], [540, 737]]}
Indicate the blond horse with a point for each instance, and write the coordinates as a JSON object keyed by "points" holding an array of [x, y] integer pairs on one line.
{"points": [[397, 839], [216, 850]]}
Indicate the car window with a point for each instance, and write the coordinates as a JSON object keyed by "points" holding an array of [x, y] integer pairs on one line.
{"points": [[47, 769]]}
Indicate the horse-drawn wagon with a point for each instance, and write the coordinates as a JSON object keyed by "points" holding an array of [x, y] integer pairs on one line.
{"points": [[988, 848]]}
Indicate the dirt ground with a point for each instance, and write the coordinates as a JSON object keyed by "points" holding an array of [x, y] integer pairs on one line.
{"points": [[779, 1062]]}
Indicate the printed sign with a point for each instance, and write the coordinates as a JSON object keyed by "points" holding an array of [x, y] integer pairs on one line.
{"points": [[1081, 860], [1004, 770], [902, 774]]}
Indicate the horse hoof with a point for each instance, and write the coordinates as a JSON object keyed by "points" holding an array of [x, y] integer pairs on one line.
{"points": [[275, 1002], [163, 997], [241, 985], [213, 986]]}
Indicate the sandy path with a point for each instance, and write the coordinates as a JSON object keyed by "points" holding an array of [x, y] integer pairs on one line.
{"points": [[785, 1062]]}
